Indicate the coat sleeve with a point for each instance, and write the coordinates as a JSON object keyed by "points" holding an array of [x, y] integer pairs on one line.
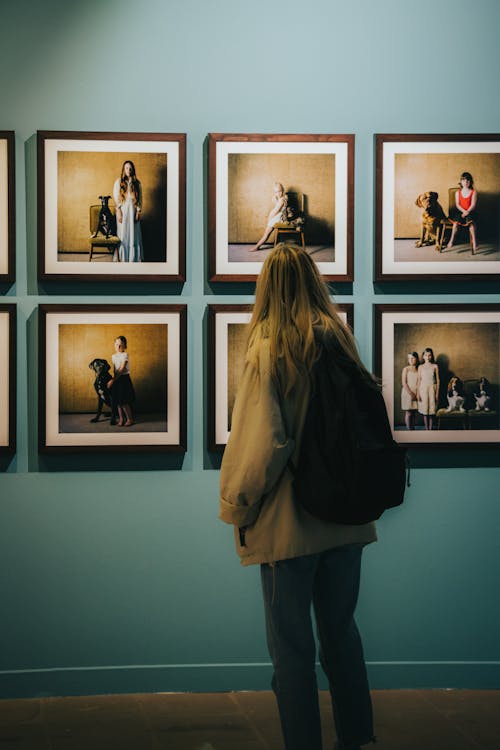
{"points": [[258, 448]]}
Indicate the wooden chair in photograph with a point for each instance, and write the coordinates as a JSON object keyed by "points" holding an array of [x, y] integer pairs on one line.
{"points": [[454, 419], [295, 224], [98, 240], [443, 238]]}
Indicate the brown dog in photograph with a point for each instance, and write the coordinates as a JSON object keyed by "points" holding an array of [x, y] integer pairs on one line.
{"points": [[432, 218], [455, 395]]}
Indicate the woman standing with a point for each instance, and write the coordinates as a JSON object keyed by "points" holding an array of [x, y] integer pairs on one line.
{"points": [[127, 195], [304, 561]]}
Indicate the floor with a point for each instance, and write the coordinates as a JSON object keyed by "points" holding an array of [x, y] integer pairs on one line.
{"points": [[81, 423], [84, 256], [241, 253], [405, 720], [405, 250], [98, 257]]}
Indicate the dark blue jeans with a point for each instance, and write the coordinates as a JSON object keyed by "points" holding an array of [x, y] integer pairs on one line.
{"points": [[329, 581]]}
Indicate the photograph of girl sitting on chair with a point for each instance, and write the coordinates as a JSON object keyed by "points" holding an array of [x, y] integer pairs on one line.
{"points": [[438, 218], [452, 384], [274, 197], [277, 215], [110, 382]]}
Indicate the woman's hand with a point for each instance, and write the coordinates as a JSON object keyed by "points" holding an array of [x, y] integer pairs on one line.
{"points": [[110, 383], [119, 215], [137, 215]]}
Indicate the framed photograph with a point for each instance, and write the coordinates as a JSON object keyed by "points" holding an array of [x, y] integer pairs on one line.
{"points": [[265, 189], [7, 207], [437, 207], [227, 345], [7, 378], [112, 378], [111, 206], [440, 369]]}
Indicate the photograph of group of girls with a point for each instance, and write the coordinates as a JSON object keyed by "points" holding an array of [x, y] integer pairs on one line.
{"points": [[446, 376], [272, 192], [113, 378], [117, 196], [447, 207]]}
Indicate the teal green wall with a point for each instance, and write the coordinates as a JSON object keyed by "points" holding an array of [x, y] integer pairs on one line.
{"points": [[115, 575]]}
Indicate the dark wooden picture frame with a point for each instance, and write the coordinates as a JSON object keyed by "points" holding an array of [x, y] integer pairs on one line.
{"points": [[8, 206], [244, 165], [220, 393], [465, 343], [412, 238], [162, 371], [8, 315], [165, 156]]}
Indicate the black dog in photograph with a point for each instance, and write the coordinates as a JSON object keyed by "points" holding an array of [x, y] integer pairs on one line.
{"points": [[106, 224], [101, 368]]}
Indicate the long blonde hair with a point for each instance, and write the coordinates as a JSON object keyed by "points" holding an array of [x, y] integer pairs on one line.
{"points": [[290, 299], [126, 184]]}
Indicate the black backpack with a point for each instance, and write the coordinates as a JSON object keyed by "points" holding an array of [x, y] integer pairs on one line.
{"points": [[350, 469]]}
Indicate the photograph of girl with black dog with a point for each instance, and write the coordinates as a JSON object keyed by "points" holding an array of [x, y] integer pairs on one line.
{"points": [[96, 368], [446, 207], [457, 382], [92, 182]]}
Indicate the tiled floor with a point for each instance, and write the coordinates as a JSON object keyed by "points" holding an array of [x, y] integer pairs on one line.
{"points": [[405, 720]]}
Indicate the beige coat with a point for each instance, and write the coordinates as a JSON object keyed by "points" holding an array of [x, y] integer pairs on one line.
{"points": [[255, 481]]}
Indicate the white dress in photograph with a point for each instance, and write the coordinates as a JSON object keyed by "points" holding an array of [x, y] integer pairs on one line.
{"points": [[279, 217], [129, 230], [407, 403]]}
